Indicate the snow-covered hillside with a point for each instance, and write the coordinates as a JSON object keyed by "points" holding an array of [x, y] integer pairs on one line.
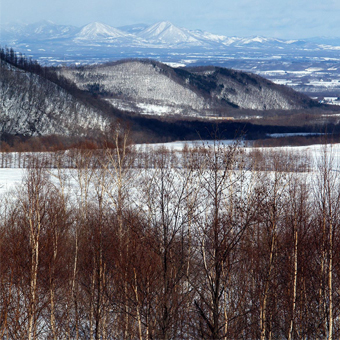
{"points": [[167, 33], [153, 88], [253, 92], [139, 83], [99, 32], [31, 105]]}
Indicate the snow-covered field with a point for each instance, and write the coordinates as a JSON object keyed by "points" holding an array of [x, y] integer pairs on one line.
{"points": [[10, 178], [178, 146]]}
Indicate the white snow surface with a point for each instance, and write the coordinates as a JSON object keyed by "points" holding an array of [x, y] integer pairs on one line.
{"points": [[138, 81], [97, 31], [151, 87], [161, 34], [35, 106], [10, 178], [179, 145], [167, 33]]}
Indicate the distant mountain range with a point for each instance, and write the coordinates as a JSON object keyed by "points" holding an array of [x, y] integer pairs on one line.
{"points": [[160, 35]]}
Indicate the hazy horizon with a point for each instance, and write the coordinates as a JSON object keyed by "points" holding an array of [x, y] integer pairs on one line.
{"points": [[288, 19]]}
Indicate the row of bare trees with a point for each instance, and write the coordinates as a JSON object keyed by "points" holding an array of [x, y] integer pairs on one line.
{"points": [[209, 249]]}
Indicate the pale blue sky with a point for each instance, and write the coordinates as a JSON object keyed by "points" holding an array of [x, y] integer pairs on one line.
{"points": [[272, 18]]}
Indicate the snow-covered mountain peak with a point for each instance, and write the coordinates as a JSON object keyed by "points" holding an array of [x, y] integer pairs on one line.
{"points": [[166, 32], [49, 30], [43, 26], [40, 24], [255, 39], [97, 31], [163, 25], [208, 36], [40, 31]]}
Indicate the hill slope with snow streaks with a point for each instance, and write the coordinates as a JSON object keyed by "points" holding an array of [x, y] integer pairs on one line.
{"points": [[31, 105], [143, 85]]}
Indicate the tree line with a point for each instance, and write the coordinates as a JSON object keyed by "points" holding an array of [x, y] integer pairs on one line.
{"points": [[202, 244]]}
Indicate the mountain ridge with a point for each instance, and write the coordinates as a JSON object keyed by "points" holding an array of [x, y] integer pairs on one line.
{"points": [[158, 34], [146, 86], [40, 101], [98, 31], [32, 105]]}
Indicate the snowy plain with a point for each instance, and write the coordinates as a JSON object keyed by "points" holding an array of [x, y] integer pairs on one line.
{"points": [[11, 177]]}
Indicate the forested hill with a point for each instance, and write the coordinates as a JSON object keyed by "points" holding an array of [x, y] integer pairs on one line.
{"points": [[32, 104], [151, 87], [83, 102]]}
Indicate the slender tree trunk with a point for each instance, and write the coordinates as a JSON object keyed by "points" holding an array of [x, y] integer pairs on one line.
{"points": [[139, 321], [291, 326], [33, 291], [92, 294], [52, 316], [330, 282], [74, 287], [267, 286]]}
